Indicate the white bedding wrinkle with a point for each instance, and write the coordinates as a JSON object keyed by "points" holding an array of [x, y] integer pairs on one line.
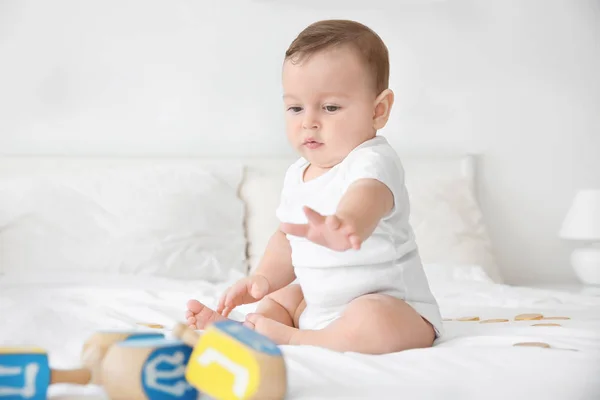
{"points": [[178, 221], [472, 360]]}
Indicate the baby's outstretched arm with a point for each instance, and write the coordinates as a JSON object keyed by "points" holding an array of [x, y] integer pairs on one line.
{"points": [[361, 208], [365, 203]]}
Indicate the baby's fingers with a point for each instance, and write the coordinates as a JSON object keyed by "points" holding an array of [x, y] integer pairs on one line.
{"points": [[221, 305], [233, 296], [227, 311], [223, 300]]}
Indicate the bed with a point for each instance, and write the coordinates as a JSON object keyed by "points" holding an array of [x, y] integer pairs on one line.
{"points": [[89, 244]]}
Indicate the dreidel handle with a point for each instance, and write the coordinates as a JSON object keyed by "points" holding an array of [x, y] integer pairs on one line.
{"points": [[79, 376], [185, 334]]}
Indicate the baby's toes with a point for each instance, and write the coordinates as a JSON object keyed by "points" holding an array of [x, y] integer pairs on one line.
{"points": [[192, 322], [189, 314], [355, 242]]}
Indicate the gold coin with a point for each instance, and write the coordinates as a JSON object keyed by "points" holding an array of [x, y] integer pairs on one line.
{"points": [[533, 344], [546, 325], [153, 326], [468, 319], [556, 318], [489, 321], [528, 317]]}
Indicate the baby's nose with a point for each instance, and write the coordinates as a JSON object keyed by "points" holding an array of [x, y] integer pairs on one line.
{"points": [[310, 122]]}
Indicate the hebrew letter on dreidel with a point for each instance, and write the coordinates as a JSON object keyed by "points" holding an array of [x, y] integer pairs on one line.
{"points": [[28, 390], [154, 375], [240, 374], [26, 374], [148, 369]]}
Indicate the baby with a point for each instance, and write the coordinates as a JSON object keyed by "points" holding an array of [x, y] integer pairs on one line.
{"points": [[343, 270]]}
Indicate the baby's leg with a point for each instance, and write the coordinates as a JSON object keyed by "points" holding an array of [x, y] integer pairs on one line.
{"points": [[283, 306], [280, 306], [371, 324]]}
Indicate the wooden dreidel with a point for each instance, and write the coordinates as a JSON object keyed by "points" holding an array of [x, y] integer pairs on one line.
{"points": [[231, 361], [95, 348], [147, 369], [25, 373]]}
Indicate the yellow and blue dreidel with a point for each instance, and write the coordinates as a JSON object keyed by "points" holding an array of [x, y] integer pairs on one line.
{"points": [[97, 345], [25, 373], [147, 369], [231, 361]]}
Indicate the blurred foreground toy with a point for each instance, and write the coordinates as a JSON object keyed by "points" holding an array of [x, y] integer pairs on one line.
{"points": [[25, 373], [231, 361]]}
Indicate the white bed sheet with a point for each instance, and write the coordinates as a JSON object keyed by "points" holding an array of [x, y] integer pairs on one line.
{"points": [[472, 361]]}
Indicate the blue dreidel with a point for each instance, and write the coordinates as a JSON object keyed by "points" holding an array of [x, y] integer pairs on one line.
{"points": [[95, 348], [25, 373], [230, 361], [143, 369]]}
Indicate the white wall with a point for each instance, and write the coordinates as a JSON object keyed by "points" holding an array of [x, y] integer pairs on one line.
{"points": [[515, 80]]}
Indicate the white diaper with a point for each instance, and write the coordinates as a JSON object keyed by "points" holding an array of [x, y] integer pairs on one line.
{"points": [[327, 291]]}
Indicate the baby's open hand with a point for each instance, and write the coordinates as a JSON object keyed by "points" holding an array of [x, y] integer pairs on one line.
{"points": [[329, 231]]}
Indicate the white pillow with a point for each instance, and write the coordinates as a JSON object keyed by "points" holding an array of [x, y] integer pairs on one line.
{"points": [[445, 216], [180, 221], [261, 191]]}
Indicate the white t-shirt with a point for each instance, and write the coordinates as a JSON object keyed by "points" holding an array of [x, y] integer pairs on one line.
{"points": [[393, 236]]}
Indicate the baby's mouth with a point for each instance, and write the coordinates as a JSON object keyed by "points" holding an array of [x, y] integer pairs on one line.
{"points": [[312, 144]]}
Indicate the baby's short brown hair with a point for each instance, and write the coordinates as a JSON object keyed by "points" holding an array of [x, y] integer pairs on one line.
{"points": [[331, 33]]}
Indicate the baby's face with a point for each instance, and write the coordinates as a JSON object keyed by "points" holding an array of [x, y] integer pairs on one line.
{"points": [[329, 103]]}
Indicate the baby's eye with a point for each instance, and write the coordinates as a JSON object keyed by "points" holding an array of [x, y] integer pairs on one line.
{"points": [[332, 108], [295, 109]]}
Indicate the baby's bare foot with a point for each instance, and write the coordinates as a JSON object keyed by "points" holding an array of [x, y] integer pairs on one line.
{"points": [[200, 316], [279, 333]]}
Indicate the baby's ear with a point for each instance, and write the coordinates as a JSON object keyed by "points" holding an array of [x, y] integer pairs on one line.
{"points": [[383, 107]]}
